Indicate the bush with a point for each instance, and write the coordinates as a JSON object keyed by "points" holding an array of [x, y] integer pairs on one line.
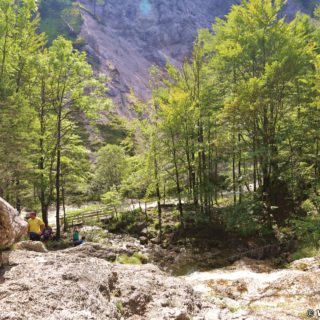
{"points": [[245, 218], [306, 230], [126, 221], [95, 235], [309, 207], [79, 43], [55, 14], [125, 259], [142, 257], [193, 217], [119, 306], [315, 199], [304, 252]]}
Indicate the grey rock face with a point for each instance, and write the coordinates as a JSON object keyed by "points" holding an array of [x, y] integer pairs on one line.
{"points": [[131, 35], [57, 286], [12, 226], [152, 294], [64, 285]]}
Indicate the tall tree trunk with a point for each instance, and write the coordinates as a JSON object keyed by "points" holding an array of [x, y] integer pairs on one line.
{"points": [[18, 200], [195, 186], [239, 170], [158, 197], [200, 166], [164, 192], [187, 151], [216, 176], [234, 178], [42, 196], [64, 207], [316, 167], [254, 149], [4, 49], [174, 153], [58, 168]]}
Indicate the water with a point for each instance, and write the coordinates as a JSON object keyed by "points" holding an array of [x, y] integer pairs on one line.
{"points": [[185, 269], [145, 7], [200, 280]]}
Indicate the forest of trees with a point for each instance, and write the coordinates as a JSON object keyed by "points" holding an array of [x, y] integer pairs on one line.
{"points": [[236, 126], [43, 93]]}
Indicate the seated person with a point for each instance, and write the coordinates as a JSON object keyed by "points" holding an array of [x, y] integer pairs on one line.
{"points": [[47, 232], [76, 237], [35, 227]]}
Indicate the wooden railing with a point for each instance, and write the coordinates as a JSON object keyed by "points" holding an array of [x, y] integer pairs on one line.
{"points": [[101, 215]]}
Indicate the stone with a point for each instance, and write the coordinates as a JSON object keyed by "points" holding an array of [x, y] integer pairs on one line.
{"points": [[139, 227], [306, 264], [4, 258], [29, 245], [107, 251], [57, 286], [12, 226], [66, 285], [153, 294], [154, 240], [143, 240], [144, 232]]}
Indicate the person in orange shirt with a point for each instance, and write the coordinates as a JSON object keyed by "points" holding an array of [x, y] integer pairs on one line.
{"points": [[35, 227]]}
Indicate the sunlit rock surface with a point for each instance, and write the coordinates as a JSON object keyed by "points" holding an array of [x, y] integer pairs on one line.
{"points": [[79, 283], [12, 226], [68, 285]]}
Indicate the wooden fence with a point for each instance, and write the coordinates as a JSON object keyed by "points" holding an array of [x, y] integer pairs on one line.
{"points": [[103, 215]]}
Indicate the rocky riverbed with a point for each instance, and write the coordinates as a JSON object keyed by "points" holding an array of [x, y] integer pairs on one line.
{"points": [[88, 282], [250, 290], [79, 283]]}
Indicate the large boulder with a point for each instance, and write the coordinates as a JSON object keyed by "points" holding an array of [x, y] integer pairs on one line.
{"points": [[71, 286], [12, 226], [57, 286]]}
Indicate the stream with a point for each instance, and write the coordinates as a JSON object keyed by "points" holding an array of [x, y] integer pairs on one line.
{"points": [[252, 290]]}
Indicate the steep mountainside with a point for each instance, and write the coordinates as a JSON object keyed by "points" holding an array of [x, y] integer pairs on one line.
{"points": [[125, 38]]}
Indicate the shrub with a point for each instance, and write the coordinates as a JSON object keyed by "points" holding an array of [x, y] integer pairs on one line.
{"points": [[142, 257], [119, 306], [309, 207], [95, 235], [304, 252], [125, 259], [80, 42], [306, 230], [315, 199], [245, 218]]}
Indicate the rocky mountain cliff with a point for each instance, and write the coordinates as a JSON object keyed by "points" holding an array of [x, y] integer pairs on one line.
{"points": [[125, 38]]}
